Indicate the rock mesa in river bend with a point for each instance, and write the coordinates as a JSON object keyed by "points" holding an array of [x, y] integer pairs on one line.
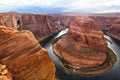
{"points": [[84, 49], [23, 56]]}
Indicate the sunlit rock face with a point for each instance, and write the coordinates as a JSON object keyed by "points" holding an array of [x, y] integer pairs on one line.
{"points": [[23, 56], [115, 30], [9, 20], [83, 49], [40, 25], [4, 73], [104, 21]]}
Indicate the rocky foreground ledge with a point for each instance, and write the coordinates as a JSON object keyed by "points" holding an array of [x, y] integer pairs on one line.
{"points": [[84, 49], [25, 59]]}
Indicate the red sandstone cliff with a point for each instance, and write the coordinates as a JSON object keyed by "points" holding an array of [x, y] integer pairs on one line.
{"points": [[40, 25], [64, 19], [105, 22], [84, 48], [23, 56], [114, 31]]}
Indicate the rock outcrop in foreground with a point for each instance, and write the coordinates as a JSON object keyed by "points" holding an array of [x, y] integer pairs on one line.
{"points": [[115, 30], [84, 49], [23, 56]]}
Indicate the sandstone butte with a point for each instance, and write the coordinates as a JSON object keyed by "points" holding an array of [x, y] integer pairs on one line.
{"points": [[23, 56], [84, 50], [41, 26], [114, 31]]}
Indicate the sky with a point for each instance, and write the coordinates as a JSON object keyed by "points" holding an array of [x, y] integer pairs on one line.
{"points": [[56, 6]]}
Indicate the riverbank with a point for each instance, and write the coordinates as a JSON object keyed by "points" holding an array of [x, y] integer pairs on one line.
{"points": [[48, 38], [94, 71], [116, 36]]}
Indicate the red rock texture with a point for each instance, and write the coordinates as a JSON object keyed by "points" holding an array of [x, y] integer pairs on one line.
{"points": [[23, 56], [4, 73], [40, 25], [83, 47], [114, 31], [9, 20], [64, 19], [104, 21]]}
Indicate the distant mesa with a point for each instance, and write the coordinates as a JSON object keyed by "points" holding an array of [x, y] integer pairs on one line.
{"points": [[84, 50]]}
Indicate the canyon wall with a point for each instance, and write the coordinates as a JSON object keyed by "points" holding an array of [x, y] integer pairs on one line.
{"points": [[40, 25], [64, 19], [23, 56], [114, 31], [105, 22]]}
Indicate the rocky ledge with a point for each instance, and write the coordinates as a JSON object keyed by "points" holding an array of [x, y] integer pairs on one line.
{"points": [[23, 56], [84, 50]]}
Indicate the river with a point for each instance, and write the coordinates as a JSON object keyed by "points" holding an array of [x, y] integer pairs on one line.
{"points": [[64, 74]]}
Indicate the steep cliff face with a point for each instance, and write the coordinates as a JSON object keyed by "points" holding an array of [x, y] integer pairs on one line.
{"points": [[64, 19], [9, 20], [23, 56], [40, 25], [104, 22], [83, 49], [114, 31]]}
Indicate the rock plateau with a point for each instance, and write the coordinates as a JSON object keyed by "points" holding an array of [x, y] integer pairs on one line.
{"points": [[84, 49]]}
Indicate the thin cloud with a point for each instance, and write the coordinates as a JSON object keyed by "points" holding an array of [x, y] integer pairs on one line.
{"points": [[63, 5]]}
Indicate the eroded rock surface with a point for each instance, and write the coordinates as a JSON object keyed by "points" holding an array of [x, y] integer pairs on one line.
{"points": [[105, 22], [41, 26], [115, 30], [83, 49], [4, 73], [23, 56]]}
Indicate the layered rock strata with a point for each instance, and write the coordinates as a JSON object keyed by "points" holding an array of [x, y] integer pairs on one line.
{"points": [[23, 56], [84, 49], [114, 31], [40, 25], [105, 22]]}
